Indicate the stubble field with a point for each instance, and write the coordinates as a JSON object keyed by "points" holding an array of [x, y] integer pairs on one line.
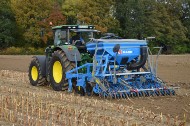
{"points": [[23, 104]]}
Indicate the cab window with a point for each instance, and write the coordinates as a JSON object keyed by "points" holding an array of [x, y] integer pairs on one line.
{"points": [[60, 37]]}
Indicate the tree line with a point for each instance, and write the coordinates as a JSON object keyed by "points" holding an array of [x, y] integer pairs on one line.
{"points": [[26, 23]]}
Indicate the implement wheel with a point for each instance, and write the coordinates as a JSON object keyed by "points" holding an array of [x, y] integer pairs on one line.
{"points": [[59, 65], [35, 73]]}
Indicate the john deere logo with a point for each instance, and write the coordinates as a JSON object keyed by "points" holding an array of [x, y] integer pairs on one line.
{"points": [[125, 51]]}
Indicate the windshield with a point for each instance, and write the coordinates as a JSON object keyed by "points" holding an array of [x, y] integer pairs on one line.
{"points": [[76, 37], [83, 35]]}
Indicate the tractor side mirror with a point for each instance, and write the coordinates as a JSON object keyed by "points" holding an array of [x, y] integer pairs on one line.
{"points": [[116, 48]]}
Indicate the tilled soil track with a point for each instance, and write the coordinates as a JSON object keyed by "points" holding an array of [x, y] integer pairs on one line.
{"points": [[17, 63], [173, 69]]}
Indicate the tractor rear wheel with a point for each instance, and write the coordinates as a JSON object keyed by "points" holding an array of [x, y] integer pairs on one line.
{"points": [[59, 65], [35, 73]]}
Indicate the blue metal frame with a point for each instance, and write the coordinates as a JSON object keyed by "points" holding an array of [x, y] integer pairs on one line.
{"points": [[80, 76], [128, 83]]}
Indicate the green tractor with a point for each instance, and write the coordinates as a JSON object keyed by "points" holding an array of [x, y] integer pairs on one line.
{"points": [[60, 57]]}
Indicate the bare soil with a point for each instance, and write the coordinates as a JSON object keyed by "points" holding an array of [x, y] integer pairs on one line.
{"points": [[173, 69]]}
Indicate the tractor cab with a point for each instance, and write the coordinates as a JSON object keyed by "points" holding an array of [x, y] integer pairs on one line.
{"points": [[75, 35]]}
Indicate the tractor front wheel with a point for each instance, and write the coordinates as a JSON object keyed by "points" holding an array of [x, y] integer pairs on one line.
{"points": [[59, 65], [35, 73]]}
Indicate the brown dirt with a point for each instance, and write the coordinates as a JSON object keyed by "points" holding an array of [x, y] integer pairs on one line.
{"points": [[17, 63], [173, 69]]}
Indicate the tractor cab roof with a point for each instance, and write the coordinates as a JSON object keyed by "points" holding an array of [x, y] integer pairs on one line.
{"points": [[84, 30], [75, 27]]}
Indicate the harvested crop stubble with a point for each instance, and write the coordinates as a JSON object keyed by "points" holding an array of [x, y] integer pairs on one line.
{"points": [[23, 104]]}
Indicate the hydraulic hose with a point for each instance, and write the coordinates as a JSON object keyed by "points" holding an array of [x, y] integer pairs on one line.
{"points": [[141, 62]]}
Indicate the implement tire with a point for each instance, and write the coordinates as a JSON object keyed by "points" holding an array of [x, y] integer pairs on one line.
{"points": [[59, 65], [35, 73]]}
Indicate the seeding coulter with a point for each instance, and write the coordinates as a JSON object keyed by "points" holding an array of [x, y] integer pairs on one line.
{"points": [[118, 68]]}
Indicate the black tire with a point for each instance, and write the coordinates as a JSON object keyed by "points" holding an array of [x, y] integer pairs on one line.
{"points": [[35, 73], [80, 90], [61, 83]]}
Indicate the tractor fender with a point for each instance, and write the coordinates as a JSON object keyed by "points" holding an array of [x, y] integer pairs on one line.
{"points": [[70, 52], [42, 62]]}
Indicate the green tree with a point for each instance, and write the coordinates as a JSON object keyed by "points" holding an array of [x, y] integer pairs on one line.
{"points": [[131, 15], [96, 12], [8, 29], [165, 24], [28, 14], [55, 18], [185, 18], [159, 18], [70, 8]]}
